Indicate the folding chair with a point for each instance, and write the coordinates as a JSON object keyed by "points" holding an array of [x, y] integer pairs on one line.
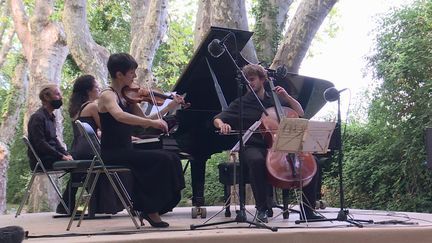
{"points": [[97, 167], [59, 167]]}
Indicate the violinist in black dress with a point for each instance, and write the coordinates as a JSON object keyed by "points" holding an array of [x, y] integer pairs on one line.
{"points": [[157, 174]]}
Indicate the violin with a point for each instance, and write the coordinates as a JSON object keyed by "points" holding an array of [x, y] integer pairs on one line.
{"points": [[137, 95], [285, 170]]}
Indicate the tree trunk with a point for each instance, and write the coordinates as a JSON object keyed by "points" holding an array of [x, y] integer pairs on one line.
{"points": [[4, 165], [270, 21], [5, 11], [147, 34], [15, 101], [223, 13], [302, 29], [44, 45], [139, 10], [8, 127], [7, 43], [90, 57]]}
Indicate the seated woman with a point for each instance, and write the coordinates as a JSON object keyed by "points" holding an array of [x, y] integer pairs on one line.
{"points": [[157, 174], [83, 107]]}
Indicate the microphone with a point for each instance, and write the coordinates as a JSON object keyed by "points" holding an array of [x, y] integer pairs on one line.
{"points": [[332, 94], [217, 47], [280, 72]]}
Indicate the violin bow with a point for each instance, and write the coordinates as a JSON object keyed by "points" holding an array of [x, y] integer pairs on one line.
{"points": [[154, 100]]}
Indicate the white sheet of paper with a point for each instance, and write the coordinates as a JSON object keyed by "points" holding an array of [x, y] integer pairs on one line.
{"points": [[290, 133], [317, 136], [302, 135]]}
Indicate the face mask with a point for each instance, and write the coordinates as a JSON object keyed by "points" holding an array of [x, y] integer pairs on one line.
{"points": [[56, 103]]}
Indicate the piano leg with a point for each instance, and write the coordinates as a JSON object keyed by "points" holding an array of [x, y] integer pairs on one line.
{"points": [[198, 181], [322, 162]]}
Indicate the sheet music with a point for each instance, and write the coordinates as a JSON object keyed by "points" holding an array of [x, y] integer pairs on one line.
{"points": [[298, 134], [290, 134], [146, 140], [317, 136]]}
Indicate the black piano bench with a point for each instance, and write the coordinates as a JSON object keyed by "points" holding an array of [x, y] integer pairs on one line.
{"points": [[226, 177]]}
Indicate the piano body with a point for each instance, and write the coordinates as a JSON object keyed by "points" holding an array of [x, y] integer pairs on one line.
{"points": [[209, 84]]}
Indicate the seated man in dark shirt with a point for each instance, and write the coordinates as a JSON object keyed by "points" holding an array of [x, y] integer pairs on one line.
{"points": [[42, 131]]}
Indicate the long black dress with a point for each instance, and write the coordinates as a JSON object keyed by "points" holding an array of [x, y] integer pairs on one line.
{"points": [[157, 174], [105, 199]]}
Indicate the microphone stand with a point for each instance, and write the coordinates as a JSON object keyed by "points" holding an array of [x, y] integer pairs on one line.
{"points": [[343, 213], [241, 213]]}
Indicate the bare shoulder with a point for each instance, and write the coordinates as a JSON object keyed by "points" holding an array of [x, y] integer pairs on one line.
{"points": [[88, 109], [91, 107], [107, 100], [107, 94]]}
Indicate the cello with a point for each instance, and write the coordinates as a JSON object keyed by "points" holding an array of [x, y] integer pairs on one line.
{"points": [[285, 170]]}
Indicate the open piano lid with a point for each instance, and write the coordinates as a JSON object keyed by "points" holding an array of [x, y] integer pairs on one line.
{"points": [[196, 80], [307, 91]]}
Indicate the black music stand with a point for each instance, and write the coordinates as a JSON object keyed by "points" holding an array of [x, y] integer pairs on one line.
{"points": [[241, 82], [331, 94]]}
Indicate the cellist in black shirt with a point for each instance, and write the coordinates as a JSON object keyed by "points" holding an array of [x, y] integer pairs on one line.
{"points": [[255, 150]]}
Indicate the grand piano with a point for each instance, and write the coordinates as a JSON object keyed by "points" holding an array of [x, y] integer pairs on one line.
{"points": [[209, 84]]}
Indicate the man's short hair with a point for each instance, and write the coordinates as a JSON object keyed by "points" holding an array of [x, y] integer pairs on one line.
{"points": [[254, 69], [120, 62], [45, 90]]}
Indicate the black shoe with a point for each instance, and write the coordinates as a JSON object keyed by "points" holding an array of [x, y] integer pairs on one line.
{"points": [[270, 213], [262, 216], [161, 224]]}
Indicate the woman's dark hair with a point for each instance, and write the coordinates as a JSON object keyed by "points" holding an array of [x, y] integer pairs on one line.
{"points": [[120, 62], [82, 85]]}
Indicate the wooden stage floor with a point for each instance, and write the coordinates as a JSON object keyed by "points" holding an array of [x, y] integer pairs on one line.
{"points": [[399, 227]]}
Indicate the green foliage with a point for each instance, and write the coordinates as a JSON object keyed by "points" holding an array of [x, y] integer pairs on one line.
{"points": [[19, 170], [331, 27], [261, 9], [67, 121], [213, 188], [7, 70], [384, 159], [213, 191], [175, 53], [29, 6], [70, 72], [109, 23], [8, 92], [56, 16], [3, 97]]}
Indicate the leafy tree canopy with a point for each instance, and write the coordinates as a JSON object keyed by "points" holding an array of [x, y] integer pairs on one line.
{"points": [[384, 159]]}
